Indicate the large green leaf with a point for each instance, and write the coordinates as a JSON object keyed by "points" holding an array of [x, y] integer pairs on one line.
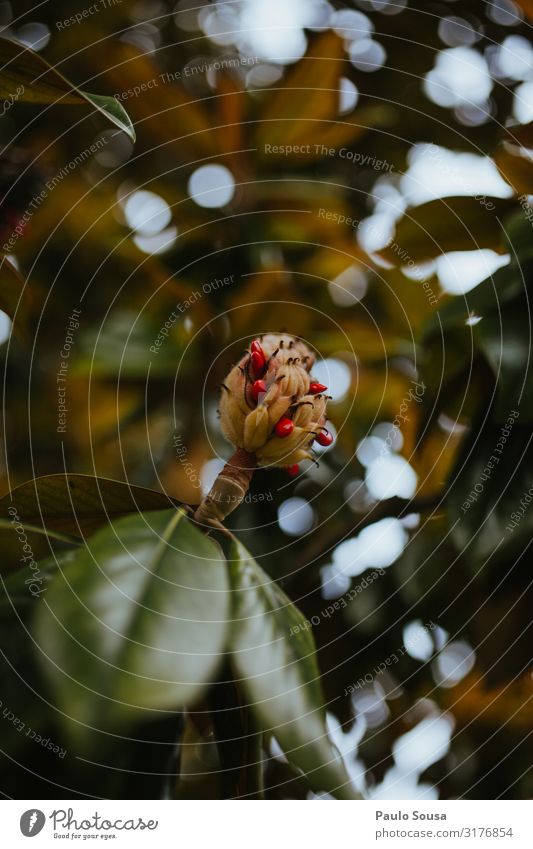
{"points": [[16, 590], [274, 655], [20, 595], [26, 76], [78, 504], [135, 624], [155, 745]]}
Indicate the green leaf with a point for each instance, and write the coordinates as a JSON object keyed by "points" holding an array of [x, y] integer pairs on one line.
{"points": [[21, 594], [518, 232], [301, 115], [237, 740], [113, 110], [493, 475], [155, 745], [120, 346], [78, 504], [15, 587], [14, 296], [504, 286], [505, 339], [309, 93], [27, 77], [447, 224], [136, 624], [274, 655], [492, 320]]}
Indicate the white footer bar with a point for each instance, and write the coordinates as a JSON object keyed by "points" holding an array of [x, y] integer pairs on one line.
{"points": [[264, 825]]}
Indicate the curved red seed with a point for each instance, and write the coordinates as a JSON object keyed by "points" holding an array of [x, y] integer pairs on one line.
{"points": [[258, 388], [292, 470], [284, 427], [324, 438], [255, 346], [315, 388]]}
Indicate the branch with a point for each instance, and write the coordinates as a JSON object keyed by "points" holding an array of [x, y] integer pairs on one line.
{"points": [[228, 491]]}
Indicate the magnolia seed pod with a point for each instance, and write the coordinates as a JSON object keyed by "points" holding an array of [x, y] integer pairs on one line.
{"points": [[271, 410], [272, 384]]}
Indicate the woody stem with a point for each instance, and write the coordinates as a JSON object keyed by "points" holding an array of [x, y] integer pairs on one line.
{"points": [[229, 489]]}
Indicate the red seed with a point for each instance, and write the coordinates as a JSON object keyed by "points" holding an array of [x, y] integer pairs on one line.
{"points": [[255, 346], [292, 470], [315, 388], [258, 362], [258, 388], [324, 438], [284, 427]]}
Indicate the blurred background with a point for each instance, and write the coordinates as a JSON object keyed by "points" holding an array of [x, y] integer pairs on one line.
{"points": [[358, 174]]}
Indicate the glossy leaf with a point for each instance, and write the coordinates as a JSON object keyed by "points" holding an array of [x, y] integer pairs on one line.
{"points": [[112, 109], [167, 113], [274, 655], [21, 593], [15, 587], [136, 623], [78, 503], [450, 224], [27, 77]]}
